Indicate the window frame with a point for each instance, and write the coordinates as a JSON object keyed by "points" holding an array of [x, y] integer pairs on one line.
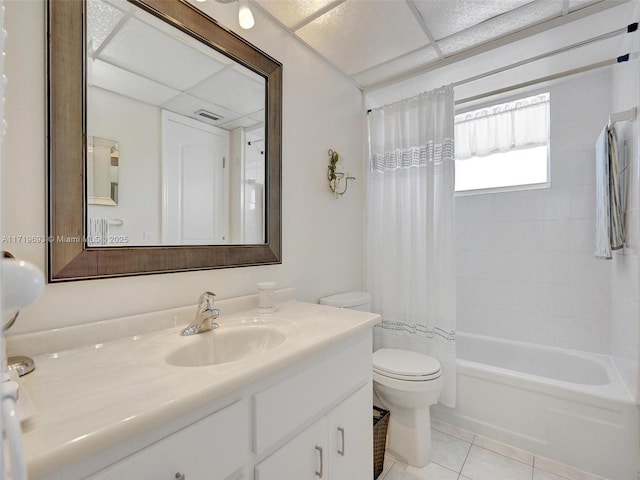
{"points": [[507, 188]]}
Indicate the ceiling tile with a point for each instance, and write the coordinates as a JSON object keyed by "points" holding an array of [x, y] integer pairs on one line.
{"points": [[578, 4], [123, 5], [187, 105], [510, 22], [258, 116], [101, 20], [182, 37], [413, 61], [130, 85], [444, 18], [141, 48], [233, 90], [293, 13], [244, 122], [360, 34]]}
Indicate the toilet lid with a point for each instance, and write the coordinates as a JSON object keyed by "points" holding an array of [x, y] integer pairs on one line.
{"points": [[405, 365]]}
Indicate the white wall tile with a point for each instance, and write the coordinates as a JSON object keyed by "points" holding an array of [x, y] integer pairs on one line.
{"points": [[583, 233], [631, 231], [583, 167], [465, 209], [558, 267], [557, 205], [531, 258], [557, 300], [519, 236], [557, 235], [588, 270], [519, 266], [583, 201], [561, 172], [589, 302], [518, 206]]}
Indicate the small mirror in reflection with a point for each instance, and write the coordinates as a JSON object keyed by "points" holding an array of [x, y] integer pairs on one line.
{"points": [[103, 158]]}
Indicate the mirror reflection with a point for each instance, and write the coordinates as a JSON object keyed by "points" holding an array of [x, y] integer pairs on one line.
{"points": [[189, 122], [103, 159]]}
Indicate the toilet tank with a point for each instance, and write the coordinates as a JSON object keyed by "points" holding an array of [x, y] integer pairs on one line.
{"points": [[353, 300]]}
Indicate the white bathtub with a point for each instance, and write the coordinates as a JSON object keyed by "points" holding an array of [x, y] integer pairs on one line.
{"points": [[565, 405]]}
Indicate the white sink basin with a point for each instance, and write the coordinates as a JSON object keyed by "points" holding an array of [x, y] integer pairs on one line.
{"points": [[237, 339]]}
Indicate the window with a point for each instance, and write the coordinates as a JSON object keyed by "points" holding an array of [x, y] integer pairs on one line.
{"points": [[503, 146]]}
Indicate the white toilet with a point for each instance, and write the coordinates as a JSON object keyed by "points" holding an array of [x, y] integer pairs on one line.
{"points": [[405, 383]]}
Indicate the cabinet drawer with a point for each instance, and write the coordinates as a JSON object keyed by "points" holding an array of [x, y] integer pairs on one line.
{"points": [[210, 449], [284, 407]]}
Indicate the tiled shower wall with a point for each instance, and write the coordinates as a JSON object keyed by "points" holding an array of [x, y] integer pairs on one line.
{"points": [[525, 263], [624, 331]]}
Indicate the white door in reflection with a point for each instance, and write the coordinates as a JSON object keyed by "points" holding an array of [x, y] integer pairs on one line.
{"points": [[194, 209]]}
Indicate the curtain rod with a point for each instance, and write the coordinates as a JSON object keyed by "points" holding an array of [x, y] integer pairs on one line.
{"points": [[566, 73], [630, 28]]}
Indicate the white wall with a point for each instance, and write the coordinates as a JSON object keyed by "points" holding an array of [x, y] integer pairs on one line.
{"points": [[526, 268], [322, 236], [139, 189]]}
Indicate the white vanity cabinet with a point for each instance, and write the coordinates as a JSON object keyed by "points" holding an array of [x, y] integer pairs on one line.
{"points": [[336, 394], [213, 448], [311, 421], [336, 447], [305, 417]]}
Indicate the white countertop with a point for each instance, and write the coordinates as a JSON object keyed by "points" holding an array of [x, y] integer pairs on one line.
{"points": [[93, 397]]}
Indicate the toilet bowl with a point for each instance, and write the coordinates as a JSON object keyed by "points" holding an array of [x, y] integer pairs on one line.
{"points": [[407, 384]]}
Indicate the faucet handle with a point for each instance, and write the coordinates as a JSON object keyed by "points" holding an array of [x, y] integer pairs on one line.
{"points": [[205, 302]]}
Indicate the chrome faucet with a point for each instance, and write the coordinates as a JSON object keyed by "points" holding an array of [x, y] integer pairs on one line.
{"points": [[205, 316]]}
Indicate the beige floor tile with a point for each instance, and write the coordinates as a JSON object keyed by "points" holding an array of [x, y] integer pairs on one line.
{"points": [[482, 464], [504, 449], [388, 463], [433, 471], [448, 451], [457, 432], [542, 475], [565, 471]]}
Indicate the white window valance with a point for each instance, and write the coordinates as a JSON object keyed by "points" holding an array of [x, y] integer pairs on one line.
{"points": [[509, 126]]}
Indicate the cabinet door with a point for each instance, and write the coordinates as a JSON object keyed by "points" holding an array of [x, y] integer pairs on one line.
{"points": [[351, 437], [303, 458], [211, 449]]}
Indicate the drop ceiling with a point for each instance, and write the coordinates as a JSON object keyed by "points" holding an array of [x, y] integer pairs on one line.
{"points": [[376, 41], [134, 54], [372, 42]]}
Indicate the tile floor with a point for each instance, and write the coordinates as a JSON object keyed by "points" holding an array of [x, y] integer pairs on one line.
{"points": [[462, 455]]}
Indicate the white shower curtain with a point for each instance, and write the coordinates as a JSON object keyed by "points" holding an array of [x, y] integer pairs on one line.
{"points": [[410, 227]]}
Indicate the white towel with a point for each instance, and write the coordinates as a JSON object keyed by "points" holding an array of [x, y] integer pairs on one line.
{"points": [[98, 232], [609, 224], [616, 230]]}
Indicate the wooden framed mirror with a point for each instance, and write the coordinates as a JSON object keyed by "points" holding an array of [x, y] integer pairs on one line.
{"points": [[71, 59]]}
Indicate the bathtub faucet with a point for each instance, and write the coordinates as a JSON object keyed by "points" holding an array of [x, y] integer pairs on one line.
{"points": [[205, 316]]}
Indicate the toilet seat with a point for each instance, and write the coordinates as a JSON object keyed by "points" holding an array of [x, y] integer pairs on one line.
{"points": [[405, 365]]}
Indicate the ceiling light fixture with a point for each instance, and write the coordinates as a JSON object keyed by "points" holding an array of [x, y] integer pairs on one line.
{"points": [[245, 15]]}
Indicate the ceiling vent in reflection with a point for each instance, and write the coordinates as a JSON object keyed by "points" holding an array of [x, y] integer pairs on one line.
{"points": [[208, 115]]}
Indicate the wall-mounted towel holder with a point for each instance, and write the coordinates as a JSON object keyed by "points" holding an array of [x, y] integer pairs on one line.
{"points": [[625, 116]]}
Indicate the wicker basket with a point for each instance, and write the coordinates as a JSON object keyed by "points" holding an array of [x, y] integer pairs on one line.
{"points": [[380, 424]]}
